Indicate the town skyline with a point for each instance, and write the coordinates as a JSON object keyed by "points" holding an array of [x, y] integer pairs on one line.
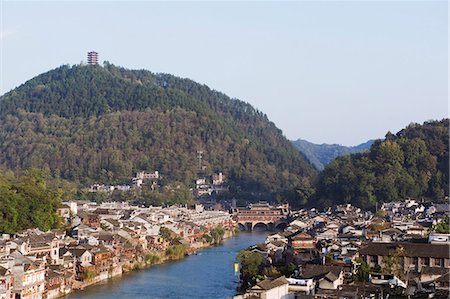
{"points": [[201, 145]]}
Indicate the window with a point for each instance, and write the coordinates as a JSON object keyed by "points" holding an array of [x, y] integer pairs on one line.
{"points": [[425, 261], [439, 262]]}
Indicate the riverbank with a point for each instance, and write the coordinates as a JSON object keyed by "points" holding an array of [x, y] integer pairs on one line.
{"points": [[209, 274], [103, 241], [162, 257], [152, 259]]}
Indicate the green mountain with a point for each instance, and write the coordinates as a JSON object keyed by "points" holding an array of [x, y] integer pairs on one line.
{"points": [[320, 155], [92, 124], [412, 163]]}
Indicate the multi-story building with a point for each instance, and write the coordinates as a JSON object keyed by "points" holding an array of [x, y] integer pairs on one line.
{"points": [[92, 58], [103, 260], [218, 179], [29, 280], [6, 284], [89, 219], [411, 256], [302, 240], [147, 175]]}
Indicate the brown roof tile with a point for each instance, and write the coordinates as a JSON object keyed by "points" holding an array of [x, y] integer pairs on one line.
{"points": [[411, 249]]}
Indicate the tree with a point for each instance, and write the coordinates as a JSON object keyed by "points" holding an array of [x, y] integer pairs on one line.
{"points": [[207, 238], [27, 202], [442, 227], [288, 269], [152, 258], [393, 264], [362, 270], [166, 233], [305, 191], [89, 275], [412, 163], [114, 121], [217, 234], [176, 252], [250, 263]]}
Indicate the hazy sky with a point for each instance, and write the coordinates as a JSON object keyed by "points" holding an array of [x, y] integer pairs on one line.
{"points": [[332, 72]]}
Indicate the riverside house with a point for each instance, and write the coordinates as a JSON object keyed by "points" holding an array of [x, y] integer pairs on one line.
{"points": [[412, 256]]}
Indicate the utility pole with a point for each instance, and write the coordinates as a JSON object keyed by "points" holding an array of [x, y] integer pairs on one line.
{"points": [[199, 156]]}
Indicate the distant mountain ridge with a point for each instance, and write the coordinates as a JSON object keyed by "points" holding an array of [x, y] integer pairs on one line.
{"points": [[320, 155]]}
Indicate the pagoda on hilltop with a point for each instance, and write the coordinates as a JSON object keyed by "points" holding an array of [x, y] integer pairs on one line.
{"points": [[92, 58]]}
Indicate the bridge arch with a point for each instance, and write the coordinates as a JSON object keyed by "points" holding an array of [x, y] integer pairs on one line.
{"points": [[260, 226], [242, 227], [280, 225]]}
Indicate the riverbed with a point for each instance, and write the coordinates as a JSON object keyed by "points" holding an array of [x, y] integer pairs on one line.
{"points": [[209, 274]]}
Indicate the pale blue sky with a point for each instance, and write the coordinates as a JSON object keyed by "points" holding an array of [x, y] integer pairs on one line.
{"points": [[333, 72]]}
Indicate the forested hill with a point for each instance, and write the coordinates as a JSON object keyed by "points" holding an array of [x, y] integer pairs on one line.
{"points": [[412, 163], [101, 124], [322, 154]]}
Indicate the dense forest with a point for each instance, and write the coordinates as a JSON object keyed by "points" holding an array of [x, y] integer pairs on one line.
{"points": [[86, 124], [91, 124], [412, 163], [320, 155], [27, 201]]}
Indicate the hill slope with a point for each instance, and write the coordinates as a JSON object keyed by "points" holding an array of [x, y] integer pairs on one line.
{"points": [[320, 155], [92, 123], [412, 163]]}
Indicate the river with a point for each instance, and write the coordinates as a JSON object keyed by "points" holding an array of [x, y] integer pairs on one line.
{"points": [[209, 274]]}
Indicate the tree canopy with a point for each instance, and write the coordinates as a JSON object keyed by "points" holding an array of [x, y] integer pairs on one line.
{"points": [[91, 124], [413, 163], [27, 202]]}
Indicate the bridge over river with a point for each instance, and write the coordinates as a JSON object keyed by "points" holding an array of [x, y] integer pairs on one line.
{"points": [[262, 216]]}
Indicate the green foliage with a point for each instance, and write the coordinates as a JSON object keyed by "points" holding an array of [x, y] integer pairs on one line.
{"points": [[152, 258], [176, 252], [91, 124], [250, 265], [217, 234], [175, 194], [376, 269], [138, 266], [89, 275], [442, 227], [412, 163], [362, 270], [166, 233], [207, 238], [27, 202], [393, 263], [305, 191], [169, 235], [288, 269]]}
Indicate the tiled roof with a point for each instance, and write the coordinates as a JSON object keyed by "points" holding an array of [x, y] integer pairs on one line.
{"points": [[320, 271], [3, 271], [411, 249], [270, 284]]}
